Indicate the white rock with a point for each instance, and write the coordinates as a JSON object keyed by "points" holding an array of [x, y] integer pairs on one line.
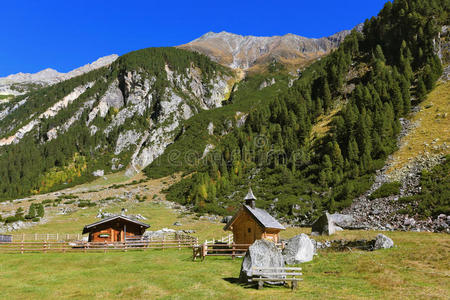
{"points": [[299, 249], [383, 242]]}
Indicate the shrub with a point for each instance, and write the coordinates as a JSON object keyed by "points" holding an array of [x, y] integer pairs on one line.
{"points": [[35, 219], [387, 189], [11, 219], [86, 203]]}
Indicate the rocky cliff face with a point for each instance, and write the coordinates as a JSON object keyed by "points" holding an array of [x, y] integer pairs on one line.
{"points": [[21, 83], [139, 110], [244, 52]]}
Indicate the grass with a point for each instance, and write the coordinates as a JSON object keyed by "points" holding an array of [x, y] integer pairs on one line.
{"points": [[433, 128], [323, 122], [417, 268]]}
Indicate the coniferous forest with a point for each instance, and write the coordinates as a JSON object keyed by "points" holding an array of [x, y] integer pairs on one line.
{"points": [[366, 85], [306, 143]]}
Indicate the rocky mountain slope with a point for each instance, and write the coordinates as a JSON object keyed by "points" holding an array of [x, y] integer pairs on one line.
{"points": [[245, 52], [112, 118], [21, 83]]}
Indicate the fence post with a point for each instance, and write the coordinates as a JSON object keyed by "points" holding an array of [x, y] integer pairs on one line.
{"points": [[104, 247], [21, 247], [45, 247], [233, 251], [179, 245], [163, 241], [78, 237], [23, 237]]}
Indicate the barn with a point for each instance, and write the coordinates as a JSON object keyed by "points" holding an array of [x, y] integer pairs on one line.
{"points": [[251, 223], [115, 229]]}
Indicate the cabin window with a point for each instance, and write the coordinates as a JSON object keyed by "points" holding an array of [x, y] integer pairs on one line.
{"points": [[249, 230], [104, 235]]}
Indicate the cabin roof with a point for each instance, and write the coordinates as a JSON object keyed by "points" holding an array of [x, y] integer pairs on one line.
{"points": [[261, 216], [113, 218]]}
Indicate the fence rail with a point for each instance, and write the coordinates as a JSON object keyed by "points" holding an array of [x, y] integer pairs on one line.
{"points": [[57, 237], [5, 238], [222, 249], [61, 237], [23, 247]]}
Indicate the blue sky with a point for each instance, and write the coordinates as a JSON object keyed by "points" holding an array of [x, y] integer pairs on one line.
{"points": [[64, 35]]}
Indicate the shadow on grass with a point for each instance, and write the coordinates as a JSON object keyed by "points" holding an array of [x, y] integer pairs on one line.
{"points": [[250, 285]]}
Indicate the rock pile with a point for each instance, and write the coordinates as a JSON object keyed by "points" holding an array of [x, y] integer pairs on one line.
{"points": [[380, 242], [383, 213]]}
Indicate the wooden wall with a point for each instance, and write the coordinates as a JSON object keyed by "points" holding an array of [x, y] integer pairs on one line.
{"points": [[115, 231], [246, 230]]}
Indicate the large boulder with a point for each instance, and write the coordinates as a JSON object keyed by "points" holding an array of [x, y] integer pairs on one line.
{"points": [[383, 242], [341, 220], [323, 225], [298, 249], [263, 254]]}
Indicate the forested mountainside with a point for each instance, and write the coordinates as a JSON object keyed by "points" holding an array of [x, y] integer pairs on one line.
{"points": [[313, 144], [306, 143], [119, 116]]}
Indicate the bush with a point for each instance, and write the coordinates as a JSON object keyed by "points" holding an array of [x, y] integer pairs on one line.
{"points": [[69, 202], [11, 219], [387, 189], [35, 219], [86, 203]]}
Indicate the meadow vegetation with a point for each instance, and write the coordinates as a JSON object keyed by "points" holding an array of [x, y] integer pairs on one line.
{"points": [[418, 267]]}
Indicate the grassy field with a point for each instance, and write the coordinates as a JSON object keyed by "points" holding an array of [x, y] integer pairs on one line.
{"points": [[418, 267]]}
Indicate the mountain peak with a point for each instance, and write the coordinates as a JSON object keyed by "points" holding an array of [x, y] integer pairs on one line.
{"points": [[244, 52], [50, 76]]}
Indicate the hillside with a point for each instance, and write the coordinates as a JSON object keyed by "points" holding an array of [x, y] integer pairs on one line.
{"points": [[365, 88], [113, 118], [307, 142], [253, 53]]}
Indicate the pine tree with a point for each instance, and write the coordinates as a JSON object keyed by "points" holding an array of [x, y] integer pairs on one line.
{"points": [[40, 211], [379, 53], [421, 90]]}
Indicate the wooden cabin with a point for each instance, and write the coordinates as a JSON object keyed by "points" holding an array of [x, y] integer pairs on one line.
{"points": [[115, 229], [251, 223]]}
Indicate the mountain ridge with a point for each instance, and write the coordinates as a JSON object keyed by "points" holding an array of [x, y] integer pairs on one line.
{"points": [[248, 51], [48, 76]]}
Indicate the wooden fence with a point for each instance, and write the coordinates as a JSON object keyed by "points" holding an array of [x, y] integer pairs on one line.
{"points": [[57, 237], [62, 237], [45, 247], [5, 238], [222, 249]]}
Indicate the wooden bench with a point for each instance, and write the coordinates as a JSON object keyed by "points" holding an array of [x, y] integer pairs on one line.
{"points": [[285, 275]]}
